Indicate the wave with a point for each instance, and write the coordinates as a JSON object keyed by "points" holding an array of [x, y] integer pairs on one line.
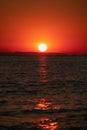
{"points": [[35, 127], [49, 111], [35, 111]]}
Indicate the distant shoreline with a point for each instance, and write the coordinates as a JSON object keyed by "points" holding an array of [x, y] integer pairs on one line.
{"points": [[37, 54]]}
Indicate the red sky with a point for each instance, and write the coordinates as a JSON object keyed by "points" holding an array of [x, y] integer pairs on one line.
{"points": [[59, 23]]}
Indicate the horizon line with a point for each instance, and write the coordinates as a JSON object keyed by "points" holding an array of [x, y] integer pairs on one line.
{"points": [[40, 53]]}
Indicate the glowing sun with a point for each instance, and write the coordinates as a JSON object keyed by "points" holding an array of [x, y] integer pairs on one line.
{"points": [[42, 47]]}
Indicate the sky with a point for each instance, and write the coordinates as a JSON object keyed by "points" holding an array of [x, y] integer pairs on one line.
{"points": [[61, 24]]}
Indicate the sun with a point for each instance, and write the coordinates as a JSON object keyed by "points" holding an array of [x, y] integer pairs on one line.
{"points": [[42, 47]]}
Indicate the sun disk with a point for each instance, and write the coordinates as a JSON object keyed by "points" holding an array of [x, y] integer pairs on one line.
{"points": [[42, 47]]}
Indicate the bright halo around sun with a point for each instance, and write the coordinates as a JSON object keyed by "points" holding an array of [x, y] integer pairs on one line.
{"points": [[42, 47]]}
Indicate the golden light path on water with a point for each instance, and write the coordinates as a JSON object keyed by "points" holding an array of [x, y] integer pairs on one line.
{"points": [[42, 104]]}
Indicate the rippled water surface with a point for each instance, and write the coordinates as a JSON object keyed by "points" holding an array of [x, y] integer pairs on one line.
{"points": [[43, 92]]}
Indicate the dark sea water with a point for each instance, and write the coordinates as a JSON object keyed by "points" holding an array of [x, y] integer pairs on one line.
{"points": [[43, 92]]}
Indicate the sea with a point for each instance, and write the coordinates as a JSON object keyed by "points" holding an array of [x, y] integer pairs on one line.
{"points": [[43, 92]]}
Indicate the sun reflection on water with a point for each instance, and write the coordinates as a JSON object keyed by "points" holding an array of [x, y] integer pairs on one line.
{"points": [[42, 69], [48, 124], [43, 105]]}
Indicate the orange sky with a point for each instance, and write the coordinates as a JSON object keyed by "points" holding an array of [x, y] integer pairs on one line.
{"points": [[59, 23]]}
